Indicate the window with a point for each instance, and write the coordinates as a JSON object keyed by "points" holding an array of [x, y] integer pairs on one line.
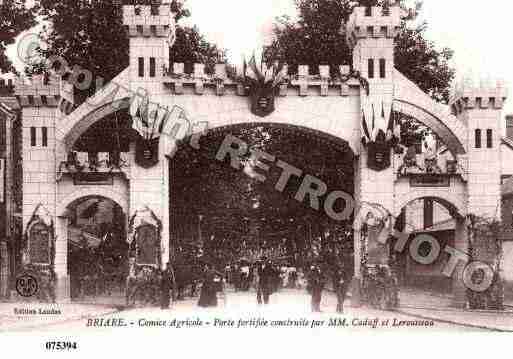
{"points": [[141, 66], [428, 213], [368, 11], [478, 138], [154, 10], [44, 139], [382, 68], [33, 136], [489, 138], [370, 69], [152, 67]]}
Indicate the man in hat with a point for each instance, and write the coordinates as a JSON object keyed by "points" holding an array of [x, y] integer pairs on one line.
{"points": [[315, 286], [165, 287], [265, 280], [341, 285]]}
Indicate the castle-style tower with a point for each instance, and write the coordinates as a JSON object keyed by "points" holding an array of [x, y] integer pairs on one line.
{"points": [[151, 29], [370, 32], [39, 99], [480, 107]]}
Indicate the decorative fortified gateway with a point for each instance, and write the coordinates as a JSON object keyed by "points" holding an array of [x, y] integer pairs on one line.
{"points": [[358, 106]]}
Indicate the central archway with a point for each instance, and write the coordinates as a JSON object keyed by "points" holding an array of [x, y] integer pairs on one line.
{"points": [[223, 215]]}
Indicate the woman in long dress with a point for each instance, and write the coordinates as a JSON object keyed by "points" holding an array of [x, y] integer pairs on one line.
{"points": [[208, 295]]}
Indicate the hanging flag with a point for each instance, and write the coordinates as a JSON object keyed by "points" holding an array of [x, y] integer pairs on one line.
{"points": [[2, 180], [280, 72], [364, 127], [134, 106], [152, 115], [171, 38], [165, 114], [389, 125], [391, 120], [267, 72], [373, 118], [252, 70], [397, 128], [375, 129]]}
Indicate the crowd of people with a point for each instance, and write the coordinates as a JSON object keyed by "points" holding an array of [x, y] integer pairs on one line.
{"points": [[266, 278]]}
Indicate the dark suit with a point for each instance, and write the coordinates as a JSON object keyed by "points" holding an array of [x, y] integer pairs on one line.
{"points": [[165, 288], [265, 282], [341, 285], [316, 286], [208, 294]]}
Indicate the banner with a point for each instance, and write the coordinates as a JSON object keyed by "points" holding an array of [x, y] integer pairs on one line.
{"points": [[2, 180]]}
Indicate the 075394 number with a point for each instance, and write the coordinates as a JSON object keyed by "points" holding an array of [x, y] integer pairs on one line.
{"points": [[61, 345]]}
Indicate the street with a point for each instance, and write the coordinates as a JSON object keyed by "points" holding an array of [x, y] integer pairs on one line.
{"points": [[239, 310]]}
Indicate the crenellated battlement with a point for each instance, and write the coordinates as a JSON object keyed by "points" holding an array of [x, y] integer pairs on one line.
{"points": [[373, 22], [487, 94], [148, 20], [228, 77], [6, 87], [38, 91]]}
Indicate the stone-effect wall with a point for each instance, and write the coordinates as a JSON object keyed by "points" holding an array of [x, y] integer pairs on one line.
{"points": [[149, 36], [371, 32], [480, 108], [39, 100]]}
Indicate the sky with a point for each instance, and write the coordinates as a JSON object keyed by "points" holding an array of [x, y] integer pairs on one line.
{"points": [[478, 31]]}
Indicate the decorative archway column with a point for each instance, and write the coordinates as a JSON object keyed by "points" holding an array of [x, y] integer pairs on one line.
{"points": [[373, 189], [4, 269], [165, 204], [62, 291], [149, 188], [357, 278], [461, 245]]}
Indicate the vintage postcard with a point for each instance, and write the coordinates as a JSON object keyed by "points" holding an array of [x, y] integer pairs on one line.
{"points": [[214, 168]]}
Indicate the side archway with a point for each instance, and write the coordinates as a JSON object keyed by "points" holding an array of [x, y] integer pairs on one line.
{"points": [[119, 198], [113, 97], [412, 101], [72, 134], [455, 208]]}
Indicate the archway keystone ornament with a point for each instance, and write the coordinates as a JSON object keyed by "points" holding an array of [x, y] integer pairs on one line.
{"points": [[148, 119], [380, 138], [263, 84]]}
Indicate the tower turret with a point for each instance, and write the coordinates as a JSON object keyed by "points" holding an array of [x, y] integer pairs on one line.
{"points": [[39, 98], [370, 33], [151, 30], [479, 107]]}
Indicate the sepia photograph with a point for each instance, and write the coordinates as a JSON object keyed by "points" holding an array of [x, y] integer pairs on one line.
{"points": [[254, 169]]}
